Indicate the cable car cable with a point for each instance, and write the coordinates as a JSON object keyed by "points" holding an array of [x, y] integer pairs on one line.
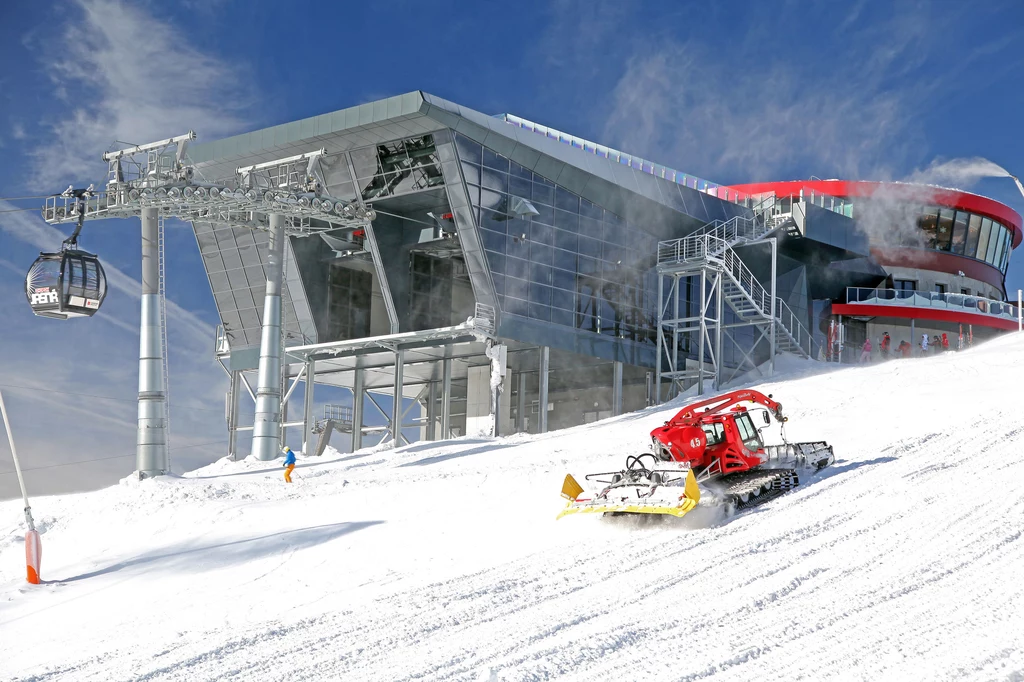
{"points": [[42, 196], [102, 397], [104, 459]]}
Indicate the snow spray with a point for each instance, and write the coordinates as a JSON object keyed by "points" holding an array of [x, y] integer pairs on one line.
{"points": [[33, 545], [959, 172]]}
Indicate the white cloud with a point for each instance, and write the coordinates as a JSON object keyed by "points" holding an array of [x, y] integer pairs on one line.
{"points": [[130, 77], [757, 104], [18, 131]]}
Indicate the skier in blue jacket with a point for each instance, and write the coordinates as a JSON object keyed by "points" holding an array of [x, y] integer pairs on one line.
{"points": [[289, 464]]}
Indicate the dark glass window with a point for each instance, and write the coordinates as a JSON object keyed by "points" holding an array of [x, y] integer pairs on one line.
{"points": [[973, 234], [468, 149], [566, 220], [516, 267], [901, 285], [960, 232], [495, 161], [540, 293], [940, 288], [348, 303], [986, 227], [430, 296], [541, 253], [517, 288], [471, 173], [543, 191], [565, 240], [928, 223], [944, 234], [574, 263], [589, 210], [492, 179], [566, 200], [517, 171], [993, 242], [998, 259], [520, 187]]}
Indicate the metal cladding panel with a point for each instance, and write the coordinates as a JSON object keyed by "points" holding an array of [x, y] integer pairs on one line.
{"points": [[526, 330], [525, 156], [236, 262], [499, 143], [828, 227], [465, 223]]}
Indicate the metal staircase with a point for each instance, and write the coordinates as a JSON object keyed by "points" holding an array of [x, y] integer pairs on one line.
{"points": [[724, 281]]}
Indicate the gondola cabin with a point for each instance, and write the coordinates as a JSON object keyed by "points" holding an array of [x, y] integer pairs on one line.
{"points": [[67, 284]]}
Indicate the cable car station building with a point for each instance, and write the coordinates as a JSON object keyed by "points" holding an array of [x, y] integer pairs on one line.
{"points": [[517, 278]]}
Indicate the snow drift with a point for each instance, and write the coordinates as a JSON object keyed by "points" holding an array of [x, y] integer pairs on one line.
{"points": [[901, 561]]}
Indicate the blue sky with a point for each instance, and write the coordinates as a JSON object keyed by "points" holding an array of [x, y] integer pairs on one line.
{"points": [[729, 91]]}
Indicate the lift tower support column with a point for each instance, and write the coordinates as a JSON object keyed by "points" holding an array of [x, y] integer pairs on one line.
{"points": [[266, 428], [151, 442]]}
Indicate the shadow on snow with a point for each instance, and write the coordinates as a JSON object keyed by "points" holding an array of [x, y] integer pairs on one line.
{"points": [[234, 552]]}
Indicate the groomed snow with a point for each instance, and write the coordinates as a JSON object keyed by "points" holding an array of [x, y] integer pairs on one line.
{"points": [[902, 562]]}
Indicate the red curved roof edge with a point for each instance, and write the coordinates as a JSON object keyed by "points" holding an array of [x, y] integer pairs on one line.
{"points": [[949, 198], [932, 314]]}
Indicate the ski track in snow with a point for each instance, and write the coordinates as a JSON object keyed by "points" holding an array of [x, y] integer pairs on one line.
{"points": [[444, 561]]}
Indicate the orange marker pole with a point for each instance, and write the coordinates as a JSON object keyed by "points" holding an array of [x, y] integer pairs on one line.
{"points": [[33, 546]]}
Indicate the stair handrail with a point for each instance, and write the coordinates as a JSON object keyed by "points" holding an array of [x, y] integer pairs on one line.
{"points": [[761, 298]]}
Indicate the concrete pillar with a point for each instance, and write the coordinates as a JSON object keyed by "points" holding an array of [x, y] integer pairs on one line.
{"points": [[308, 420], [151, 437], [913, 336], [266, 428], [446, 398], [542, 397], [479, 421], [396, 407], [616, 388], [358, 398], [232, 414]]}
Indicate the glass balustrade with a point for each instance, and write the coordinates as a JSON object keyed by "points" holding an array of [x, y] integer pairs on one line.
{"points": [[928, 299]]}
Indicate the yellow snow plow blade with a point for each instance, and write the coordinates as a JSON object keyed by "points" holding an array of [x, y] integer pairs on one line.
{"points": [[672, 504], [570, 488]]}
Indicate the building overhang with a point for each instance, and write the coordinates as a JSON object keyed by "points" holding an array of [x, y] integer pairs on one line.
{"points": [[898, 191], [868, 310]]}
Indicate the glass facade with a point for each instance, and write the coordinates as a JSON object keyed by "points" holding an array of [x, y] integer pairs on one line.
{"points": [[961, 233], [557, 257]]}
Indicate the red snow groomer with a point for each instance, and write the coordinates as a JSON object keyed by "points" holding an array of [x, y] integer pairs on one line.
{"points": [[714, 443]]}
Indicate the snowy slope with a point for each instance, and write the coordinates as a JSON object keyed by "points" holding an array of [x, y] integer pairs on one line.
{"points": [[903, 561]]}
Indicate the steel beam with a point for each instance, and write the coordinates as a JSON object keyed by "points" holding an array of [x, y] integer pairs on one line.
{"points": [[396, 406], [719, 319], [774, 334], [431, 411], [151, 439], [521, 403], [232, 409], [267, 425], [307, 404], [616, 388], [446, 398], [542, 397], [358, 397]]}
